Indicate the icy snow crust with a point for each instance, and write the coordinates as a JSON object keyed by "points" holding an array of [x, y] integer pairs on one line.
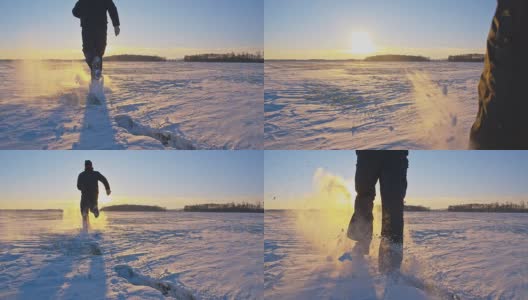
{"points": [[133, 256], [447, 256], [370, 105], [170, 105]]}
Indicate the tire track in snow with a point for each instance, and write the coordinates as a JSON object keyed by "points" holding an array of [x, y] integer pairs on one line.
{"points": [[168, 139], [175, 290]]}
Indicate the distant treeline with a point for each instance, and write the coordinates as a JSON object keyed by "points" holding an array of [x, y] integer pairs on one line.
{"points": [[129, 207], [392, 57], [467, 58], [493, 207], [313, 60], [416, 208], [244, 57], [135, 58], [229, 207]]}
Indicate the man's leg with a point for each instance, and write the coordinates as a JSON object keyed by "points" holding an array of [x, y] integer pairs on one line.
{"points": [[518, 106], [88, 46], [94, 207], [390, 256], [100, 47], [393, 187], [84, 213], [500, 123], [367, 174], [488, 129]]}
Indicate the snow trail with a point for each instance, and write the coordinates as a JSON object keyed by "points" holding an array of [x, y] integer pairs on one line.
{"points": [[173, 105], [308, 255], [131, 256], [438, 112], [325, 264], [369, 105]]}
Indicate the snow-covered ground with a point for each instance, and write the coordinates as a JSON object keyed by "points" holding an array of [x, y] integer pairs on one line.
{"points": [[171, 105], [131, 256], [369, 105], [446, 256]]}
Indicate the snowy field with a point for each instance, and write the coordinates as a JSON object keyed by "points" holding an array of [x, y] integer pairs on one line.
{"points": [[131, 256], [447, 256], [370, 105], [172, 105]]}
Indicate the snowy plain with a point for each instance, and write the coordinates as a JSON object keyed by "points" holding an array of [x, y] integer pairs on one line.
{"points": [[369, 105], [446, 256], [45, 255], [145, 105]]}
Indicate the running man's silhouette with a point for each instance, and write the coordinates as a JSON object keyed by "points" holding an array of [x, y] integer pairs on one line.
{"points": [[88, 184], [503, 90], [390, 168], [94, 23]]}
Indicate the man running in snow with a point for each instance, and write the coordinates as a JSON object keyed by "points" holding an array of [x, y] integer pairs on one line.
{"points": [[503, 91], [88, 184], [390, 168], [93, 15]]}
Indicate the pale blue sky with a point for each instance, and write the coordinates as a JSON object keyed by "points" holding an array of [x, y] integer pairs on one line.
{"points": [[315, 28], [47, 179], [47, 28], [436, 178]]}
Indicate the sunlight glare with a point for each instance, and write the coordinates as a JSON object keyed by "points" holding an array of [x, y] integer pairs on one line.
{"points": [[361, 43]]}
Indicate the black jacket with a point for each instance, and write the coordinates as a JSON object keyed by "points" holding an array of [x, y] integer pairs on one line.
{"points": [[88, 182], [93, 13]]}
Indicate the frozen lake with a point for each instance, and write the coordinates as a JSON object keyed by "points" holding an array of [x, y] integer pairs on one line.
{"points": [[370, 105], [43, 255], [447, 255], [168, 105]]}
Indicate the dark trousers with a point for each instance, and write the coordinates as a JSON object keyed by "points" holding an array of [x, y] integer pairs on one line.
{"points": [[390, 168], [94, 44], [89, 203]]}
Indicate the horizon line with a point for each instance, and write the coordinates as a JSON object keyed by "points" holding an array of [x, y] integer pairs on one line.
{"points": [[169, 53], [371, 56]]}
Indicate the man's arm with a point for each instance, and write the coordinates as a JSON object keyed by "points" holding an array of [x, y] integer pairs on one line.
{"points": [[105, 182], [112, 10], [79, 185], [77, 9]]}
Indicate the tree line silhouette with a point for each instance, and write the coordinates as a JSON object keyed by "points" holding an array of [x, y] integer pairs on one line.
{"points": [[130, 207], [416, 208], [474, 57], [394, 57], [492, 207], [227, 207], [134, 58], [257, 57]]}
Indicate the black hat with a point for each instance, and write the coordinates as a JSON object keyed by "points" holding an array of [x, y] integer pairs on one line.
{"points": [[87, 163]]}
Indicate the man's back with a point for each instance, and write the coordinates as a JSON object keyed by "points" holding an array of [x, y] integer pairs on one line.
{"points": [[93, 13], [88, 182]]}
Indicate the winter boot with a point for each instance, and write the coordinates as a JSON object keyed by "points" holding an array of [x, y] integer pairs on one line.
{"points": [[96, 68]]}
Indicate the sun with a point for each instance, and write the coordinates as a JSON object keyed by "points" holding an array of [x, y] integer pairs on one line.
{"points": [[361, 43]]}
